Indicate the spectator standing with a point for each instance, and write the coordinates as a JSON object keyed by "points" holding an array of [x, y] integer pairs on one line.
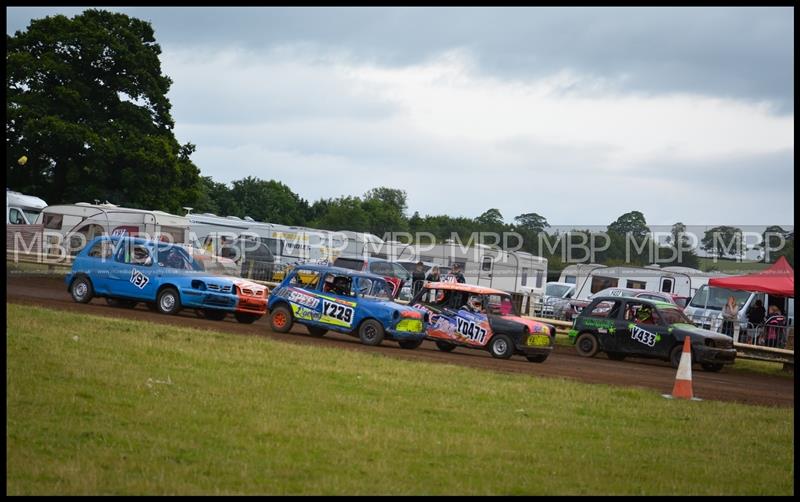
{"points": [[774, 327], [730, 313], [433, 275], [417, 278], [456, 273]]}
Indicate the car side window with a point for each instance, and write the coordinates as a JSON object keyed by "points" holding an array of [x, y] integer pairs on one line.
{"points": [[136, 254], [605, 308], [102, 249]]}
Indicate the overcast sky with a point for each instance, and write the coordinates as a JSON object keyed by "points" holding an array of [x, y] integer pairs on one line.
{"points": [[578, 114]]}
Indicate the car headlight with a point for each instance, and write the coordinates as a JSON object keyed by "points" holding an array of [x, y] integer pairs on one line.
{"points": [[409, 325]]}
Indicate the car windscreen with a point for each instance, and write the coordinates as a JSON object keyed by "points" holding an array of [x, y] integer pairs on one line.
{"points": [[351, 263], [673, 316], [556, 290], [501, 305], [714, 298]]}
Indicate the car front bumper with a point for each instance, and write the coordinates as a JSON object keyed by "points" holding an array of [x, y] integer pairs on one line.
{"points": [[405, 335], [715, 355]]}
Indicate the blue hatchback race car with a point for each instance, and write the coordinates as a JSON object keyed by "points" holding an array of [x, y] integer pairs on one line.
{"points": [[356, 303], [128, 270]]}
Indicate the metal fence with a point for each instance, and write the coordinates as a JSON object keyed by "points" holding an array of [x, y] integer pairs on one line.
{"points": [[770, 334]]}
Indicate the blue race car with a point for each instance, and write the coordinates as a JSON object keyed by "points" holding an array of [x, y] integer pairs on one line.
{"points": [[128, 270], [356, 303]]}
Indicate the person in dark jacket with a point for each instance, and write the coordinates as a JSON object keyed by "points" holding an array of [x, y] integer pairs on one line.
{"points": [[456, 273], [433, 275], [417, 278], [756, 313]]}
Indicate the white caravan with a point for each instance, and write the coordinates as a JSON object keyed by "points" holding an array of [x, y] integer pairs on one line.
{"points": [[591, 278], [74, 225], [287, 244], [22, 209], [516, 272]]}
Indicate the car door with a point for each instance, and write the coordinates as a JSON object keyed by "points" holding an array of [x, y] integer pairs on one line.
{"points": [[132, 273], [338, 303], [442, 316], [644, 337]]}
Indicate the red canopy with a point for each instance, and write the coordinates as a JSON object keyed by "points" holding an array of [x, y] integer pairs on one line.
{"points": [[776, 280]]}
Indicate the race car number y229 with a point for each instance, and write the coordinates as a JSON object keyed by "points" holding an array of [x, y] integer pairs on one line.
{"points": [[337, 311]]}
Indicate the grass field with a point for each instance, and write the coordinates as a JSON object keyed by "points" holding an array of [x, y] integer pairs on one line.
{"points": [[104, 406], [731, 266]]}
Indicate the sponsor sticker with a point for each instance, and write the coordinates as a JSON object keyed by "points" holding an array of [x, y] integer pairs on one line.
{"points": [[138, 279]]}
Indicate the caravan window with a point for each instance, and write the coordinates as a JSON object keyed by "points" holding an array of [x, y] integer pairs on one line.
{"points": [[539, 278], [53, 221], [600, 283], [636, 284], [487, 264], [666, 284], [524, 281]]}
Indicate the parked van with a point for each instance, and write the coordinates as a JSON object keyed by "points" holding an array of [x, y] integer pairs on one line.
{"points": [[22, 209], [705, 307]]}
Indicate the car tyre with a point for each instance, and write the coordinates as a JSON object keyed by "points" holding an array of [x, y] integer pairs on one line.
{"points": [[169, 301], [371, 332], [445, 346], [281, 319], [675, 355], [316, 331], [539, 358], [586, 345], [410, 344], [245, 318], [214, 314], [501, 347], [712, 367], [81, 289], [615, 356]]}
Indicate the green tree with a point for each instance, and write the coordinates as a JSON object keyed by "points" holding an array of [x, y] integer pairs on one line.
{"points": [[723, 241], [532, 222], [269, 201], [343, 213], [490, 218], [86, 102], [391, 197], [630, 223]]}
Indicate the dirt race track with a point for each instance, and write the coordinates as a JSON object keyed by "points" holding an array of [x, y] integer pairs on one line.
{"points": [[727, 385]]}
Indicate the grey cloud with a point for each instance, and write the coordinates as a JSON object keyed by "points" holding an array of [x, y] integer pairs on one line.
{"points": [[740, 52]]}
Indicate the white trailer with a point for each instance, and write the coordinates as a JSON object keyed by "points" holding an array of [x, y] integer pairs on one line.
{"points": [[516, 272], [74, 225], [591, 278], [22, 209]]}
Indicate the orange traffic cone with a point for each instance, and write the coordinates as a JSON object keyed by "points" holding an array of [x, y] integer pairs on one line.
{"points": [[683, 380]]}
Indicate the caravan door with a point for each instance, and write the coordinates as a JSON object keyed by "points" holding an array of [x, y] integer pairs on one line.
{"points": [[485, 271]]}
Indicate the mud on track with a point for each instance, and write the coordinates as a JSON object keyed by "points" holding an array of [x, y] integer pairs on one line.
{"points": [[726, 385]]}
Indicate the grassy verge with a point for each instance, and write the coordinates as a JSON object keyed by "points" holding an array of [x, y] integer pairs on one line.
{"points": [[105, 406]]}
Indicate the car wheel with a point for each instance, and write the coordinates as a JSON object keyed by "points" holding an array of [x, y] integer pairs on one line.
{"points": [[281, 319], [675, 355], [712, 367], [371, 332], [410, 344], [540, 358], [615, 356], [315, 331], [214, 314], [586, 345], [501, 347], [169, 301], [445, 347], [246, 318], [82, 290]]}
